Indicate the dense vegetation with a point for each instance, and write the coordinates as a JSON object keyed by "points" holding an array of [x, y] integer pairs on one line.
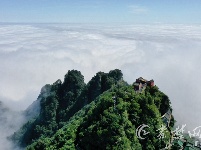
{"points": [[102, 114]]}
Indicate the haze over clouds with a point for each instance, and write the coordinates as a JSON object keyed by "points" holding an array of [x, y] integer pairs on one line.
{"points": [[33, 55]]}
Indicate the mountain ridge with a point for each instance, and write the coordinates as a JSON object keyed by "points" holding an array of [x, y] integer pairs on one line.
{"points": [[90, 105]]}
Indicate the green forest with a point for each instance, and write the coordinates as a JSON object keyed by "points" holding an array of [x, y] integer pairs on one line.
{"points": [[103, 114]]}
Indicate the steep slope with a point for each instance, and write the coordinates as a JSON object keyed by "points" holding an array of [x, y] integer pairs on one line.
{"points": [[34, 109], [60, 101], [102, 114], [110, 122]]}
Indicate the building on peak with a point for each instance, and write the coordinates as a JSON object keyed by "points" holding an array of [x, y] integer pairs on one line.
{"points": [[141, 84], [150, 83]]}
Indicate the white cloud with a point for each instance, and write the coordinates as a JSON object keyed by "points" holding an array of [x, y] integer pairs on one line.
{"points": [[34, 55], [10, 121]]}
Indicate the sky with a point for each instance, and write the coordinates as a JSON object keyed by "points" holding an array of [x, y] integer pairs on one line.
{"points": [[101, 11]]}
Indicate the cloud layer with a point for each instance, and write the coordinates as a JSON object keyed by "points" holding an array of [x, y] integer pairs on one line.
{"points": [[34, 55], [10, 121]]}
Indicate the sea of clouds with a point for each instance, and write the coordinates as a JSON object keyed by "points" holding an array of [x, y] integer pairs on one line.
{"points": [[32, 55]]}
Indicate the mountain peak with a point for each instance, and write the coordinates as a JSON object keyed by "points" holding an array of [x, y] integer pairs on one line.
{"points": [[95, 115]]}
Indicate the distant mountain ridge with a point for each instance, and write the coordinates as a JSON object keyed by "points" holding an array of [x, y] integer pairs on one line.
{"points": [[75, 115]]}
